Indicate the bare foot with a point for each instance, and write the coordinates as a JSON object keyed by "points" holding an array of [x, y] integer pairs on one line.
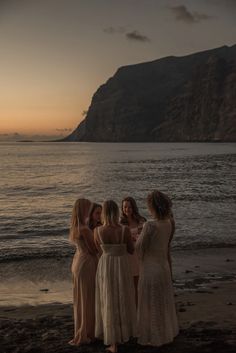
{"points": [[112, 348]]}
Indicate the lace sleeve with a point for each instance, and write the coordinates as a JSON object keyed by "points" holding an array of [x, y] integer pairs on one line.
{"points": [[143, 241]]}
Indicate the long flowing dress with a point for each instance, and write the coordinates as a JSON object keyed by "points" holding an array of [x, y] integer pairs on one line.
{"points": [[84, 267], [157, 320], [133, 258], [115, 307]]}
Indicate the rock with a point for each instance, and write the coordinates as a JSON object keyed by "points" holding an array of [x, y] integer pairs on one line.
{"points": [[229, 303], [182, 310], [44, 290], [189, 98], [190, 304], [188, 271]]}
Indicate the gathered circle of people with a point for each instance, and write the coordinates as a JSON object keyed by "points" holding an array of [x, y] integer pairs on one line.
{"points": [[122, 274]]}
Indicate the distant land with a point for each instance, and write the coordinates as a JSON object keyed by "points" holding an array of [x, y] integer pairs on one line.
{"points": [[189, 98]]}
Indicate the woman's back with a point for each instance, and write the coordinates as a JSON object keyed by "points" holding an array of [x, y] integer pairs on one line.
{"points": [[113, 235], [156, 298], [115, 309], [156, 238]]}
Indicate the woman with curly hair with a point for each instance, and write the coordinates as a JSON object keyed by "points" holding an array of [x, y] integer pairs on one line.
{"points": [[157, 320]]}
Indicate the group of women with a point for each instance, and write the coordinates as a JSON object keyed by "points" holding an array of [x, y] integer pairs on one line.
{"points": [[122, 276]]}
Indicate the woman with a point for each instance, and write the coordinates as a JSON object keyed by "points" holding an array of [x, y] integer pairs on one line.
{"points": [[132, 218], [157, 321], [95, 216], [115, 308], [83, 272]]}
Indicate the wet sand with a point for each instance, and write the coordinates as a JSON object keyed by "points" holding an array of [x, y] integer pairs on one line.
{"points": [[205, 296]]}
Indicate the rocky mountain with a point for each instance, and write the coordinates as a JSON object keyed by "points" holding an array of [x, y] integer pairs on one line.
{"points": [[189, 98]]}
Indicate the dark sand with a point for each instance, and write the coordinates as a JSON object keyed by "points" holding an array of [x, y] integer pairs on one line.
{"points": [[206, 305]]}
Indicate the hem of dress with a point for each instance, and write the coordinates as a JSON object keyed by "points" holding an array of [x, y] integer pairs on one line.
{"points": [[107, 343], [152, 344]]}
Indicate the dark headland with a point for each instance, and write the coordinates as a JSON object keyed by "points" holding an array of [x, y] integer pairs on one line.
{"points": [[189, 98]]}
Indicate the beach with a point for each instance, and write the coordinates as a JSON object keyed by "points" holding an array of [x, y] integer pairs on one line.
{"points": [[205, 293], [35, 254]]}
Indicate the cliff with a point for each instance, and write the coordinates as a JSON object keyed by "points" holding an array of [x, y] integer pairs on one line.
{"points": [[190, 98]]}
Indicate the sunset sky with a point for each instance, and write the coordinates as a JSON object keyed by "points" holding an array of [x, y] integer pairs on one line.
{"points": [[56, 53]]}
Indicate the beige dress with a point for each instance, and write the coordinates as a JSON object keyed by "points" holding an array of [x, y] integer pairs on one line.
{"points": [[84, 267], [157, 321], [115, 307], [133, 258]]}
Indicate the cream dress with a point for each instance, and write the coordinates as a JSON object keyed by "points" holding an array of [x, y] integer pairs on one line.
{"points": [[115, 307], [157, 321], [133, 258]]}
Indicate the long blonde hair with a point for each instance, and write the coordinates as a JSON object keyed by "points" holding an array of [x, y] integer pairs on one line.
{"points": [[79, 213], [110, 213]]}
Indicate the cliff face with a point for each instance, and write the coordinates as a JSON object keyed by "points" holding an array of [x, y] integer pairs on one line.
{"points": [[191, 98]]}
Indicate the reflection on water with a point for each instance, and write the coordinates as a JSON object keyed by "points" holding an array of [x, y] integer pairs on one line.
{"points": [[40, 182]]}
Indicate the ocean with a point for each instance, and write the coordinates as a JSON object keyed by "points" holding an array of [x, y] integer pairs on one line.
{"points": [[40, 181]]}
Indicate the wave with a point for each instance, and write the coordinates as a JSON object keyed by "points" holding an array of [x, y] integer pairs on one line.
{"points": [[32, 233], [68, 250]]}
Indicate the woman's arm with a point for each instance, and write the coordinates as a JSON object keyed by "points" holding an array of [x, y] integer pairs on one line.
{"points": [[97, 241], [172, 221], [129, 241], [87, 235], [143, 239]]}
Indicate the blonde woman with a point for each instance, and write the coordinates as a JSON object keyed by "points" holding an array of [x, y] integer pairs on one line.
{"points": [[115, 307], [84, 267], [157, 321]]}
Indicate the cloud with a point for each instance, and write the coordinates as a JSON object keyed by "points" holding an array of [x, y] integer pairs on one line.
{"points": [[64, 130], [181, 13], [132, 35], [113, 30], [136, 36]]}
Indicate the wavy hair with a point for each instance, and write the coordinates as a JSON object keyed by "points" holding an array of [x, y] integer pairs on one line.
{"points": [[110, 213], [79, 213], [160, 203], [136, 215], [93, 208]]}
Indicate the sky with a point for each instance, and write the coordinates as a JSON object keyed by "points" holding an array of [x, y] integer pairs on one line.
{"points": [[54, 54]]}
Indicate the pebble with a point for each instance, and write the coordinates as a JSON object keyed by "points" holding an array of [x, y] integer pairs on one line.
{"points": [[182, 310]]}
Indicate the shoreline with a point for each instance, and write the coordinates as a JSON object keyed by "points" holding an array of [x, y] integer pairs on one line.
{"points": [[30, 282], [207, 324], [205, 295]]}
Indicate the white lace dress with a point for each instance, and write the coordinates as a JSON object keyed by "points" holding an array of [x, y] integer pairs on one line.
{"points": [[115, 308], [157, 320]]}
